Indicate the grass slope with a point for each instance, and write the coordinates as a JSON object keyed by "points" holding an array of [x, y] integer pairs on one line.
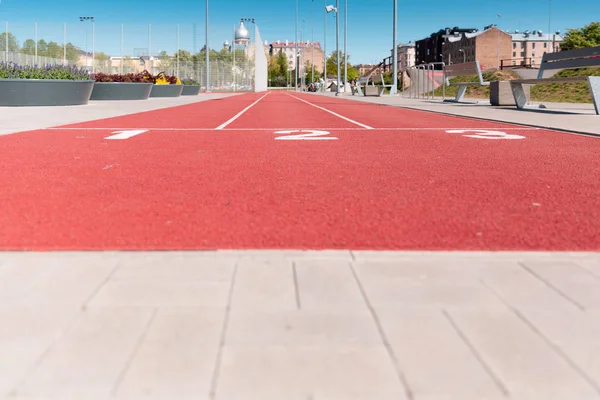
{"points": [[552, 92]]}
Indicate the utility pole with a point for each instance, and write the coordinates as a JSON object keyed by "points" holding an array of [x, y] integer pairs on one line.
{"points": [[296, 51], [345, 45], [207, 52], [312, 24], [394, 88]]}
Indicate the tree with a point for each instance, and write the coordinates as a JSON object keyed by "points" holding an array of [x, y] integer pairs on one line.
{"points": [[332, 64], [13, 45], [282, 63], [588, 36], [42, 47], [28, 47], [54, 50], [72, 53]]}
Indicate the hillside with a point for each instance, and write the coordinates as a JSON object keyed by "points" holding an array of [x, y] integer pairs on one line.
{"points": [[552, 92]]}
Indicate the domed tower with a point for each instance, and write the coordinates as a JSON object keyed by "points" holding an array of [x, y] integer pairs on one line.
{"points": [[242, 36], [227, 46]]}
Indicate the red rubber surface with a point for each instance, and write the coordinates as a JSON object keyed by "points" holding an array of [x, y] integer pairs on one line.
{"points": [[412, 189]]}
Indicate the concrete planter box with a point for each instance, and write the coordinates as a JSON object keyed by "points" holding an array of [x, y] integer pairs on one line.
{"points": [[501, 93], [166, 90], [44, 92], [190, 90], [121, 91]]}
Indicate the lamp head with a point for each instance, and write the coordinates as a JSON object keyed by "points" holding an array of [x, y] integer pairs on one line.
{"points": [[330, 9]]}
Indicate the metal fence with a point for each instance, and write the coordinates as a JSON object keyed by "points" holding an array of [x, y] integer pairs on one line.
{"points": [[130, 48]]}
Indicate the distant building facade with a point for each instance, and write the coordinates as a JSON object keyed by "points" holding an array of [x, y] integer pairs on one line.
{"points": [[406, 56], [528, 48], [489, 47], [305, 50]]}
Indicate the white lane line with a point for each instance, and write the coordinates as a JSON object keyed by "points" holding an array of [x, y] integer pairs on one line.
{"points": [[331, 112], [126, 134], [288, 128], [240, 113]]}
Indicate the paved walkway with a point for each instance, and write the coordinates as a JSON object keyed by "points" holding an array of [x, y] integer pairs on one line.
{"points": [[273, 325], [571, 117], [18, 119], [334, 325]]}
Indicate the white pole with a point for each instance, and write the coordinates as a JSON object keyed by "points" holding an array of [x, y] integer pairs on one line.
{"points": [[121, 63], [93, 46], [6, 44], [312, 24], [394, 88], [150, 48], [36, 48], [233, 47], [345, 44], [296, 50], [207, 52], [65, 43], [325, 43], [177, 50], [337, 43]]}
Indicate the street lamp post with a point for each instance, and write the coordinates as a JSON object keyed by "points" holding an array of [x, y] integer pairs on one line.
{"points": [[337, 39], [207, 52], [345, 44], [464, 55], [296, 51], [312, 24], [394, 88], [93, 41], [325, 44]]}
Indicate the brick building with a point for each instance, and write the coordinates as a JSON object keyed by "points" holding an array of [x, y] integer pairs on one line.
{"points": [[488, 47]]}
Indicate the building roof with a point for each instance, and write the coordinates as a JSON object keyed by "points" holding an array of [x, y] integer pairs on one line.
{"points": [[535, 36], [278, 44]]}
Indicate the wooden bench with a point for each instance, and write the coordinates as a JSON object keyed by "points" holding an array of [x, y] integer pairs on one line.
{"points": [[579, 58], [464, 69]]}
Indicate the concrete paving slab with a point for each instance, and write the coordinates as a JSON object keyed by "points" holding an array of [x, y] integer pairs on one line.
{"points": [[401, 322], [19, 119]]}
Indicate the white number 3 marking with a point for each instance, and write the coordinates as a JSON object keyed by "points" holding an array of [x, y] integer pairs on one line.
{"points": [[309, 135], [485, 134]]}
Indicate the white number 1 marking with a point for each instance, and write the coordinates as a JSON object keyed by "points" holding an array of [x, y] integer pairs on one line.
{"points": [[309, 135], [126, 134], [485, 134]]}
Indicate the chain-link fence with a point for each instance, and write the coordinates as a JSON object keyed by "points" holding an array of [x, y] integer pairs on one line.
{"points": [[130, 48]]}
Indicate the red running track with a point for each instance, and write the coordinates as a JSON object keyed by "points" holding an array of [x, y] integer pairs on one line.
{"points": [[407, 184]]}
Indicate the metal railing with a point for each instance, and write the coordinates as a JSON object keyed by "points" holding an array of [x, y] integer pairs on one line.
{"points": [[423, 81]]}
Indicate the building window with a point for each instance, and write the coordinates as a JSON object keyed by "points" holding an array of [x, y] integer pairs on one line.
{"points": [[533, 45], [522, 54], [514, 45], [514, 53], [545, 44], [522, 45]]}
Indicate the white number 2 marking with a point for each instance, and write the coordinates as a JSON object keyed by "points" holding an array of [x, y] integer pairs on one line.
{"points": [[126, 134], [485, 134], [309, 135]]}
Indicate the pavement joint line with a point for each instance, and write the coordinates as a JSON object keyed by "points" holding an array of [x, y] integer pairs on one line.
{"points": [[326, 128], [331, 112], [400, 374], [487, 368], [223, 125], [553, 346]]}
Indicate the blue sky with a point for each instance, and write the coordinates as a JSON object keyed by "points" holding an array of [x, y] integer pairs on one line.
{"points": [[369, 22]]}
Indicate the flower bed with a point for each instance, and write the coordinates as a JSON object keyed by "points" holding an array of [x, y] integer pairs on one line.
{"points": [[43, 86], [123, 87], [190, 87], [166, 86]]}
